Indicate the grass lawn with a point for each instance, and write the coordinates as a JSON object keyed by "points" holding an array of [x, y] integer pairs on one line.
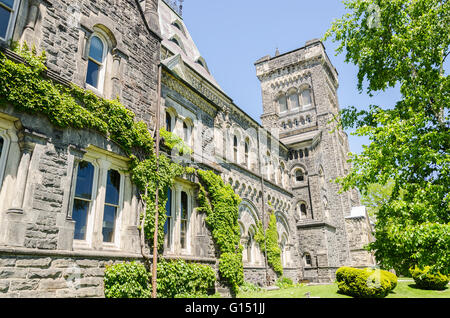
{"points": [[404, 289]]}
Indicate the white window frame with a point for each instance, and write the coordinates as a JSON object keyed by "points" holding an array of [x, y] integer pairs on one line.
{"points": [[103, 161], [12, 20], [102, 72], [4, 152]]}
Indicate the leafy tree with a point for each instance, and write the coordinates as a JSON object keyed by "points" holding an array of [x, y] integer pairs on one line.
{"points": [[404, 43], [375, 196]]}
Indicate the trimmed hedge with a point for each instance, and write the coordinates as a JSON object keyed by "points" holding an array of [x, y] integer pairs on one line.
{"points": [[426, 280], [365, 283], [176, 278]]}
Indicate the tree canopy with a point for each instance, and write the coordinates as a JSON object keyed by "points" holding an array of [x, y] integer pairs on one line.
{"points": [[402, 43]]}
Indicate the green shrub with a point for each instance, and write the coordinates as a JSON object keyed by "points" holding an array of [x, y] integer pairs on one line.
{"points": [[174, 279], [284, 282], [392, 278], [127, 280], [249, 287], [425, 279], [364, 283], [177, 277]]}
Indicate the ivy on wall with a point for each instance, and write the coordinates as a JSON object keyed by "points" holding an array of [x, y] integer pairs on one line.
{"points": [[221, 206], [25, 87], [269, 241]]}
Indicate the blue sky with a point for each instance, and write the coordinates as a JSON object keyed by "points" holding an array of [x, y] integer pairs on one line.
{"points": [[231, 35]]}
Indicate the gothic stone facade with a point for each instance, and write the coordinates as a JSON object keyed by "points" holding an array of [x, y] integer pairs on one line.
{"points": [[113, 49]]}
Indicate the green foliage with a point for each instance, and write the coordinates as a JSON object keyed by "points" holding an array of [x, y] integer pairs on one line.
{"points": [[177, 278], [174, 279], [269, 240], [221, 206], [127, 280], [249, 287], [425, 279], [284, 282], [402, 44], [365, 283]]}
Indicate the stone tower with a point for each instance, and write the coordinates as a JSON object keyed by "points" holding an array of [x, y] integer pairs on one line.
{"points": [[299, 94]]}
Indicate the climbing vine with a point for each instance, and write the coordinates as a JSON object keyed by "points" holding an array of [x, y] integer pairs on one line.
{"points": [[24, 86], [269, 241]]}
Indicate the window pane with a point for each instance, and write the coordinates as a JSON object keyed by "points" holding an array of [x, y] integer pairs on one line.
{"points": [[8, 3], [168, 211], [79, 215], [184, 205], [109, 222], [4, 21], [183, 234], [85, 178], [96, 50], [112, 187], [306, 96], [92, 74], [293, 99], [168, 122], [282, 101], [1, 146]]}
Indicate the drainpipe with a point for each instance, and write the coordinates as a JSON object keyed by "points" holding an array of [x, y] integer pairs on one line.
{"points": [[263, 208], [155, 234]]}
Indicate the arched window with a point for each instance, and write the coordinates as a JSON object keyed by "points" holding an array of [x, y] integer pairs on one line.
{"points": [[306, 152], [303, 211], [168, 122], [187, 133], [306, 98], [302, 120], [282, 103], [296, 122], [174, 40], [235, 149], [293, 101], [246, 148], [96, 62], [308, 119], [283, 124], [299, 176], [295, 154], [300, 153]]}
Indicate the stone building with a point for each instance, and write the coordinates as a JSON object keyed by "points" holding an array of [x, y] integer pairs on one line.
{"points": [[67, 205]]}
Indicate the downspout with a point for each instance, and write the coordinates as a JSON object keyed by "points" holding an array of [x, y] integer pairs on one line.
{"points": [[263, 209]]}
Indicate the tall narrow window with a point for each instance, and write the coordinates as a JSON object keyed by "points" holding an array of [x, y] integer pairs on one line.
{"points": [[283, 103], [183, 219], [82, 199], [306, 98], [246, 153], [1, 146], [111, 206], [169, 220], [235, 149], [96, 68], [8, 10], [168, 122], [187, 132], [299, 176], [293, 101], [303, 212], [308, 261]]}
